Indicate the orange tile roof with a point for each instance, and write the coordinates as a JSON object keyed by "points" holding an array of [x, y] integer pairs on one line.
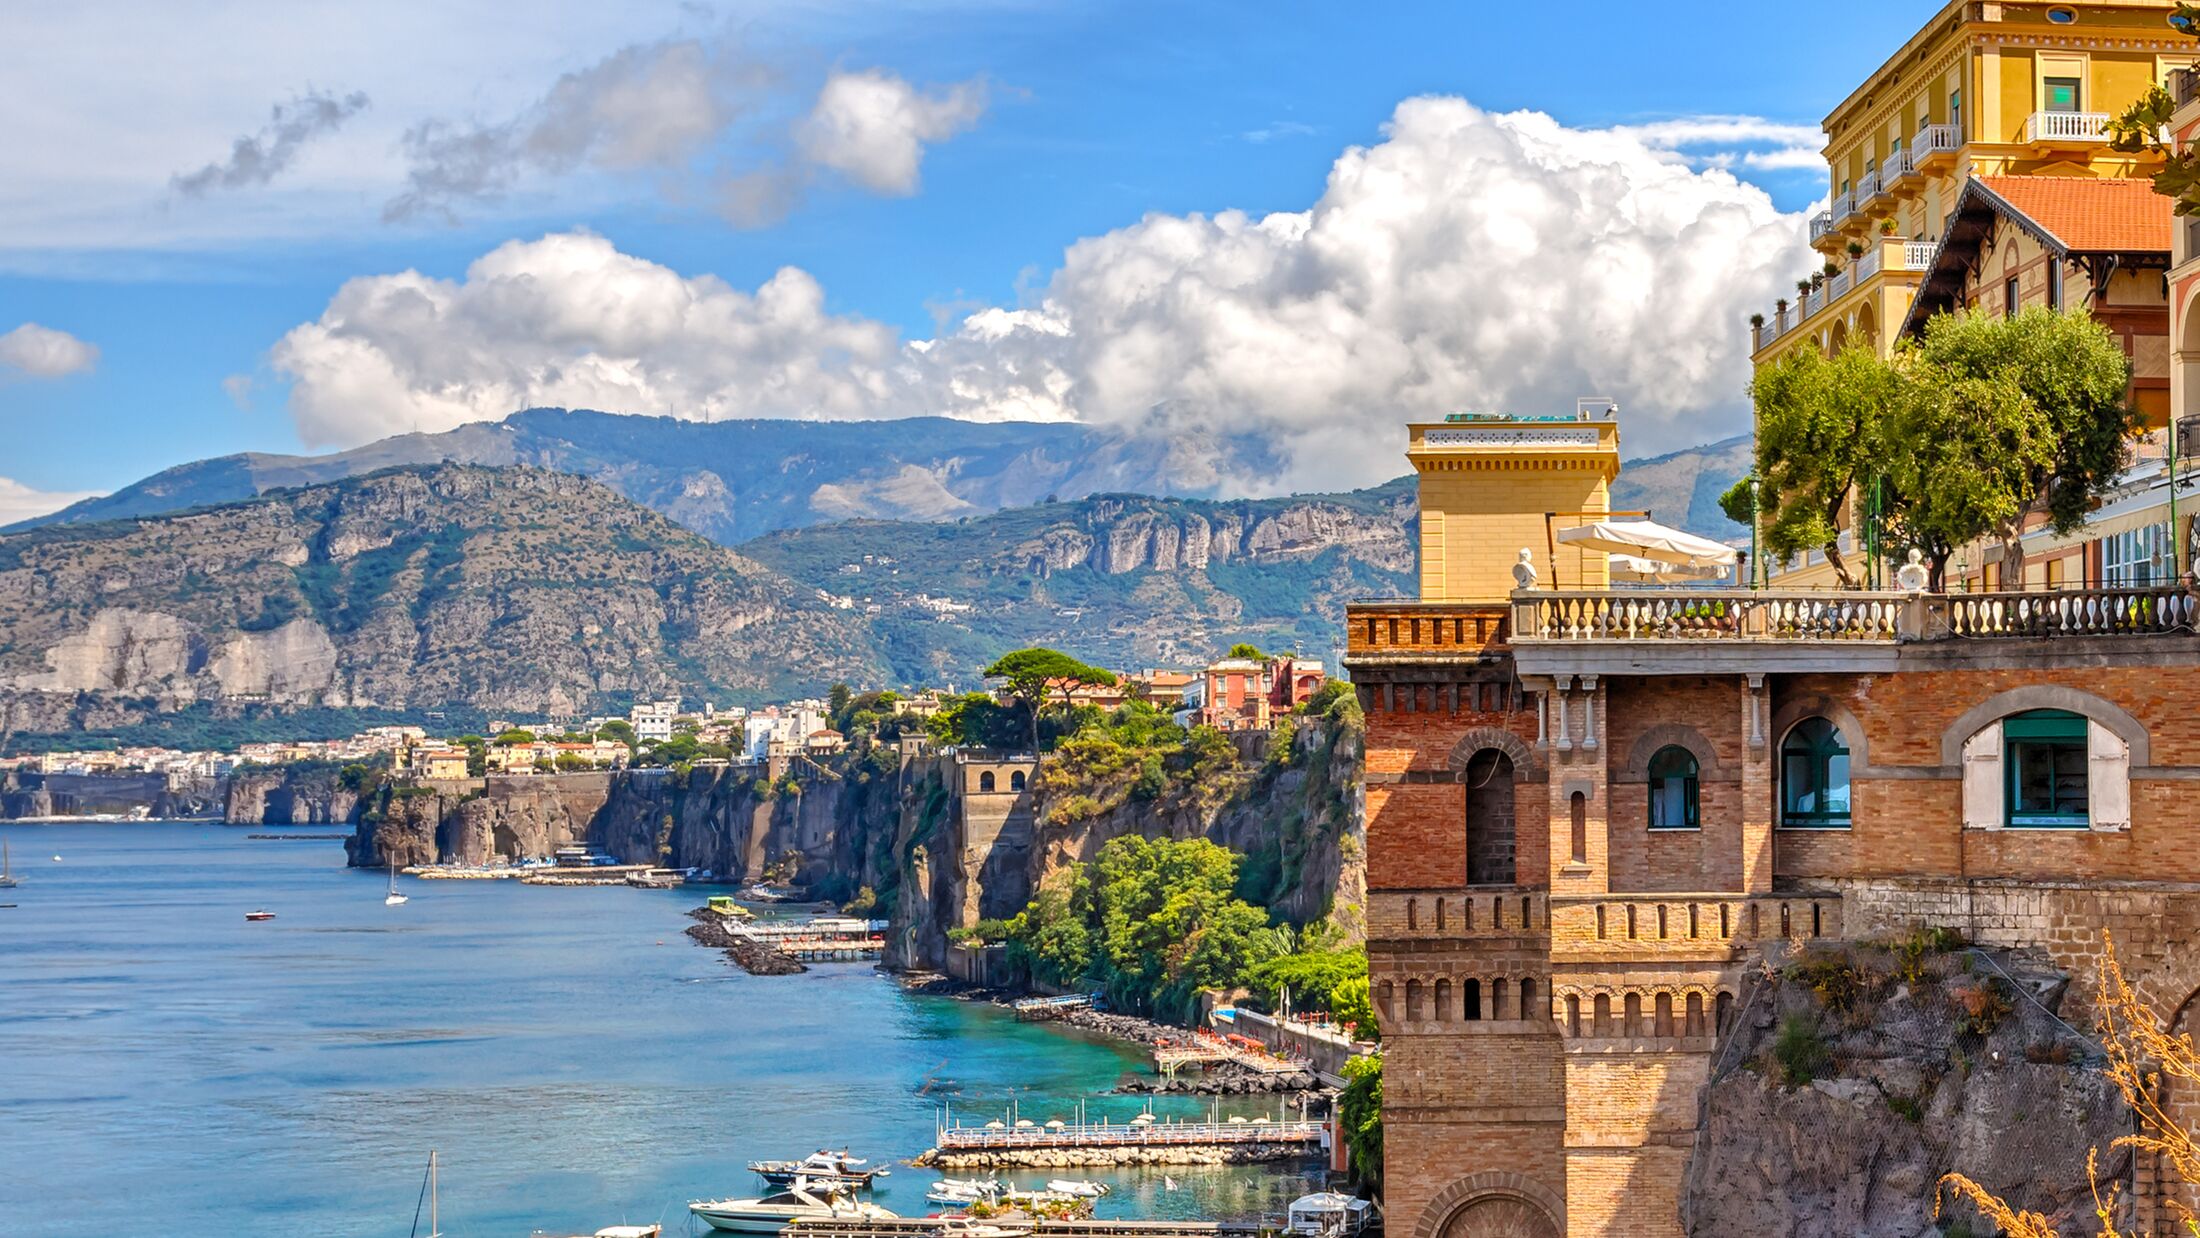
{"points": [[2090, 214]]}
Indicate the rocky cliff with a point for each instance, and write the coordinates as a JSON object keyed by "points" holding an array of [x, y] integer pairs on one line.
{"points": [[166, 796], [306, 794], [512, 589], [475, 821], [1859, 1075]]}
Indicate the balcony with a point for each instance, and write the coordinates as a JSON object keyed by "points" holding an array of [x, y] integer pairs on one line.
{"points": [[2184, 86], [1873, 190], [2065, 128], [1884, 255], [1821, 227], [1844, 205], [1934, 146], [1902, 176]]}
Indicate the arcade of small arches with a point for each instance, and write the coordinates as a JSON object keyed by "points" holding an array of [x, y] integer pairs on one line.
{"points": [[1598, 1011], [1449, 999]]}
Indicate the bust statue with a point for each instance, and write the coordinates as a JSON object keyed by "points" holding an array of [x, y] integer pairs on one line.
{"points": [[1524, 571], [1912, 577]]}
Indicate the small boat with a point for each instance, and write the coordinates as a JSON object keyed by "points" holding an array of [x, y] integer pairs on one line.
{"points": [[394, 899], [259, 915], [1077, 1189], [773, 1213], [619, 1231], [8, 880], [963, 1192], [836, 1169], [1328, 1214]]}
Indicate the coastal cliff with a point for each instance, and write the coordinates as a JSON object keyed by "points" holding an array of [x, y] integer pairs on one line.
{"points": [[304, 794], [26, 794]]}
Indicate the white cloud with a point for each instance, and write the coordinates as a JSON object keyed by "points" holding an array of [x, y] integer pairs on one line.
{"points": [[645, 106], [42, 352], [1276, 131], [1467, 260], [259, 158], [1735, 141], [568, 319], [21, 502], [872, 127]]}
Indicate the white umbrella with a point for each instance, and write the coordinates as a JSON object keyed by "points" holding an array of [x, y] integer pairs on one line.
{"points": [[1649, 540], [1630, 570]]}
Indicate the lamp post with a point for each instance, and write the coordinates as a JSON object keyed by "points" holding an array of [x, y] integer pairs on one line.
{"points": [[1756, 560]]}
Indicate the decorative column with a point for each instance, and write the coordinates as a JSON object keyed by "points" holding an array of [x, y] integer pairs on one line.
{"points": [[1757, 789]]}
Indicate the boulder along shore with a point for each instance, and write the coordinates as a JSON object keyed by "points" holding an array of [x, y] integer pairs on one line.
{"points": [[753, 956]]}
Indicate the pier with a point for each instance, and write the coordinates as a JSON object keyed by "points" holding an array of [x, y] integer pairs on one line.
{"points": [[929, 1227], [1058, 1145], [1036, 1008], [823, 940], [1206, 1049]]}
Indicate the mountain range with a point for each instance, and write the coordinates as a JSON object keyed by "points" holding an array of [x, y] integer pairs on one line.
{"points": [[345, 582]]}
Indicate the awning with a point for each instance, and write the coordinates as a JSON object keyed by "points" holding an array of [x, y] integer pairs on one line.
{"points": [[1645, 539]]}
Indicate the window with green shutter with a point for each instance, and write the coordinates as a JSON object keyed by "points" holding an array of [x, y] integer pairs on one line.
{"points": [[2044, 767]]}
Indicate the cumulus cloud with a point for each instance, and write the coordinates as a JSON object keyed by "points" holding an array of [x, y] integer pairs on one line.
{"points": [[21, 502], [258, 158], [653, 105], [42, 352], [568, 319], [872, 127], [1469, 260]]}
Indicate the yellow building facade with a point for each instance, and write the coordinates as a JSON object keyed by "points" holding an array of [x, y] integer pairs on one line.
{"points": [[1981, 89], [1494, 485]]}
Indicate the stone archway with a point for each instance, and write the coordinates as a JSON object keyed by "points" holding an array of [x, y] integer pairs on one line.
{"points": [[1493, 1205]]}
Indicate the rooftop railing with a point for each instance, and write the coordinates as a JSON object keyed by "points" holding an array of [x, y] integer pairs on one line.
{"points": [[1721, 614]]}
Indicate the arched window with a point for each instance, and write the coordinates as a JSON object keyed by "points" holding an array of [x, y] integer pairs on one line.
{"points": [[1016, 781], [1814, 777], [1489, 778], [985, 781], [1673, 789], [2045, 768]]}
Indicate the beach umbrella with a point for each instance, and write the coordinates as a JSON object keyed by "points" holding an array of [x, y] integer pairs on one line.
{"points": [[996, 1125], [1647, 539]]}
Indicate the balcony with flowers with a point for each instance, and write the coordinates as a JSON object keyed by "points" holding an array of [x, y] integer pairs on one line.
{"points": [[1868, 266]]}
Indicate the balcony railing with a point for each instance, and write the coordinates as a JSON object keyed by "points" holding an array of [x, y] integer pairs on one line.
{"points": [[2184, 86], [1901, 166], [1867, 188], [1915, 256], [2139, 609], [2066, 127], [1918, 255], [1934, 140], [1876, 184], [1821, 225], [1706, 615], [1844, 205]]}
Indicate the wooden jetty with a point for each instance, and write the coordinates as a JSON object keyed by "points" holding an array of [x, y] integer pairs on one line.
{"points": [[1206, 1049], [1031, 1008]]}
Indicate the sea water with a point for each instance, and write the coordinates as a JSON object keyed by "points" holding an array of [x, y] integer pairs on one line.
{"points": [[167, 1068]]}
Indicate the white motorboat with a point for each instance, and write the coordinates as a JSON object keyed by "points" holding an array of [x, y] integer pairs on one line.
{"points": [[1328, 1214], [1077, 1189], [773, 1213], [963, 1192], [830, 1169], [394, 899]]}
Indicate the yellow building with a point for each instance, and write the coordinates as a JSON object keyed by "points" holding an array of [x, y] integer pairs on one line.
{"points": [[1982, 89], [1492, 485]]}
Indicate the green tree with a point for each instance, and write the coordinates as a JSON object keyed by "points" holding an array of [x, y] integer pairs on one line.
{"points": [[1818, 435], [977, 720], [1360, 1113], [1351, 1005], [836, 703], [477, 754], [2142, 126], [1050, 936], [1312, 976], [1032, 676], [517, 735], [1243, 650], [618, 731], [1999, 419]]}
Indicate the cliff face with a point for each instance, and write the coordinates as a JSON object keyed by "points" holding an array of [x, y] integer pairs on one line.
{"points": [[289, 795], [476, 822], [166, 796], [1958, 1062], [510, 589]]}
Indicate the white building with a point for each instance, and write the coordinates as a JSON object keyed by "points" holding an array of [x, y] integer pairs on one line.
{"points": [[653, 719]]}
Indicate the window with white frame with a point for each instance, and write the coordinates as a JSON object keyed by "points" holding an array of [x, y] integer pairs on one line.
{"points": [[2137, 556]]}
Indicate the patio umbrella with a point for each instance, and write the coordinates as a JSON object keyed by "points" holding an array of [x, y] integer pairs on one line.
{"points": [[1645, 539]]}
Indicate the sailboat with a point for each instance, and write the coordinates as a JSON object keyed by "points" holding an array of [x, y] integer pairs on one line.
{"points": [[8, 880], [395, 899], [428, 1191]]}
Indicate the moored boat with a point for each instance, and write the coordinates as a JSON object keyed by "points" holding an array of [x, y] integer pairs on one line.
{"points": [[259, 915], [836, 1169], [773, 1213]]}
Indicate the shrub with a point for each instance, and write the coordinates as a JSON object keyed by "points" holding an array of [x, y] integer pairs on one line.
{"points": [[1980, 1007], [1838, 984], [1799, 1051]]}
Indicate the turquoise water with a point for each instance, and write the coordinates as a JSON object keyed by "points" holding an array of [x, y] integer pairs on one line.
{"points": [[167, 1068]]}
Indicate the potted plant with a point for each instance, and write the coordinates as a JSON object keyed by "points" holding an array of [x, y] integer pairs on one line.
{"points": [[1886, 226], [1830, 269], [1781, 305], [1856, 250], [1758, 320], [1802, 287]]}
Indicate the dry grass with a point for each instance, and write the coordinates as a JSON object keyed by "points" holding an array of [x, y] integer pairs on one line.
{"points": [[2141, 1055]]}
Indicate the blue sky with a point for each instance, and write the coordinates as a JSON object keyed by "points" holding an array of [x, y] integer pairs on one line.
{"points": [[1048, 124]]}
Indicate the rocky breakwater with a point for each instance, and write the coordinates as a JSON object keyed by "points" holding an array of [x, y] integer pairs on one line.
{"points": [[755, 957], [1857, 1076]]}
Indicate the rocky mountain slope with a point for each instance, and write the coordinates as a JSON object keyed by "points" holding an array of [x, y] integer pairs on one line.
{"points": [[504, 589], [733, 480], [1124, 580]]}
